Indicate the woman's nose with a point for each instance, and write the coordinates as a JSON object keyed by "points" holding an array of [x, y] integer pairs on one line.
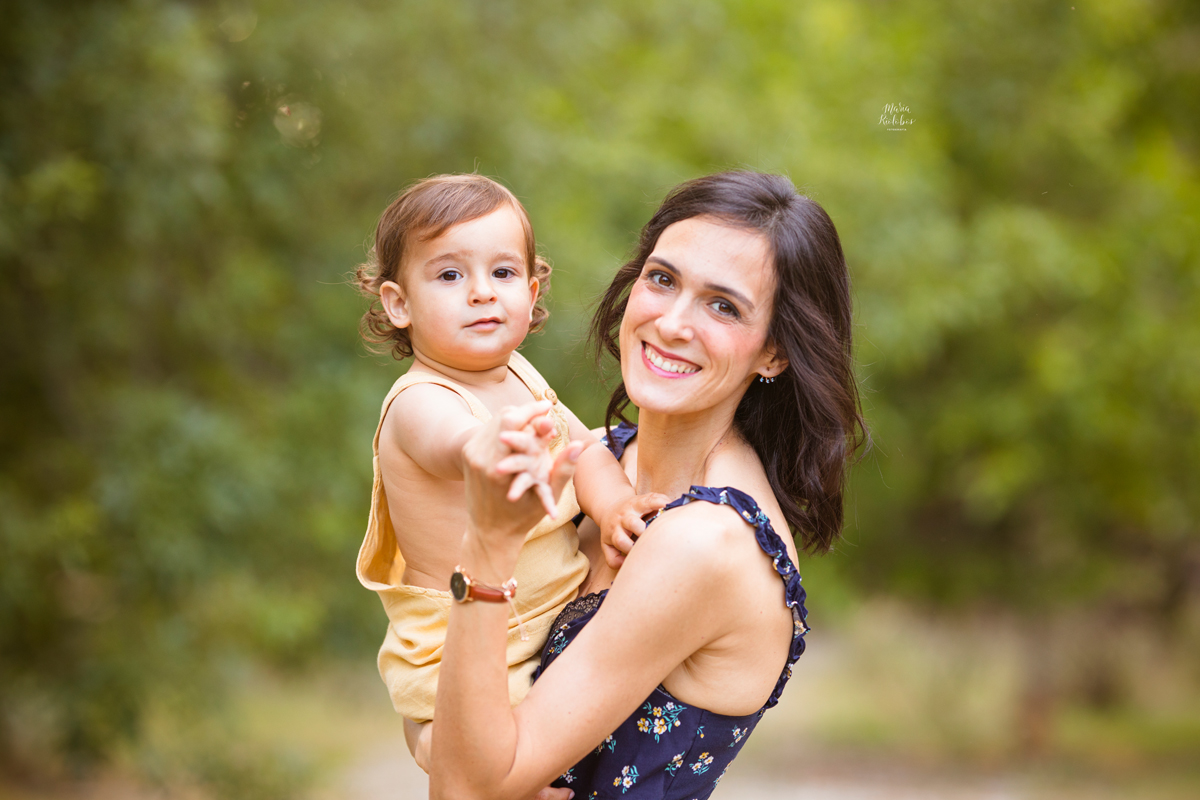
{"points": [[674, 323]]}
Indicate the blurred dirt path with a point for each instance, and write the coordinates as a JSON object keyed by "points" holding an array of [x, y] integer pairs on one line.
{"points": [[390, 774]]}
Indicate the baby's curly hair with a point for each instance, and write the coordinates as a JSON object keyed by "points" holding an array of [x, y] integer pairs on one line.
{"points": [[426, 210]]}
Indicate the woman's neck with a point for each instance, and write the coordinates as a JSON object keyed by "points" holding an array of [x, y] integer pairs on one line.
{"points": [[674, 452]]}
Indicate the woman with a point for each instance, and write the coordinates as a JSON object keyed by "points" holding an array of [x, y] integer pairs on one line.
{"points": [[732, 326]]}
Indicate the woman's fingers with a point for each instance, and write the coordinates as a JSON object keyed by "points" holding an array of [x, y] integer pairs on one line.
{"points": [[551, 793]]}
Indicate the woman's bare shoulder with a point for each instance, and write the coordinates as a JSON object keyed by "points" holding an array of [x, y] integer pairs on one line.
{"points": [[700, 539]]}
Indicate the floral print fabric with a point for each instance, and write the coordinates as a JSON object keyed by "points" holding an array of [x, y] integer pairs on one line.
{"points": [[667, 750]]}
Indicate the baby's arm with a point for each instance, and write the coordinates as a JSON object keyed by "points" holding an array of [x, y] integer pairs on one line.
{"points": [[605, 494], [418, 735], [430, 424]]}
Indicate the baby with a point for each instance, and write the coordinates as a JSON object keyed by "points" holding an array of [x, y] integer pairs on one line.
{"points": [[458, 284]]}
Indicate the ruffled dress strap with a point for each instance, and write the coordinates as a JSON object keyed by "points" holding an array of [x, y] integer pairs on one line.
{"points": [[770, 543], [764, 534], [619, 438]]}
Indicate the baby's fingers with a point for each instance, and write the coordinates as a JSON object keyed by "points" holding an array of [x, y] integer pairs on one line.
{"points": [[647, 503], [612, 555], [520, 484], [514, 418], [622, 541], [543, 426], [546, 495], [563, 468], [511, 465], [523, 441]]}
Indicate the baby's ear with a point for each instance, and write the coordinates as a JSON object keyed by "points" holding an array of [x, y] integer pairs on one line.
{"points": [[535, 287], [395, 305], [541, 273]]}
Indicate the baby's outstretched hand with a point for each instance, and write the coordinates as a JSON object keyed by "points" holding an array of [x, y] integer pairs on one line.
{"points": [[531, 461], [623, 522]]}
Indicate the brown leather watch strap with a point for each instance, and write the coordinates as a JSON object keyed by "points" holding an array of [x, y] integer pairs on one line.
{"points": [[465, 589], [488, 594]]}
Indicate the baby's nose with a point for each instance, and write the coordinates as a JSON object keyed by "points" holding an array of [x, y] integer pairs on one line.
{"points": [[482, 291]]}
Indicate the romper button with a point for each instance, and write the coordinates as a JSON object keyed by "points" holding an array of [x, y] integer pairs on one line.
{"points": [[551, 396]]}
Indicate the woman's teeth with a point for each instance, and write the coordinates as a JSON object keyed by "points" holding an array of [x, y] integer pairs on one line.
{"points": [[667, 365]]}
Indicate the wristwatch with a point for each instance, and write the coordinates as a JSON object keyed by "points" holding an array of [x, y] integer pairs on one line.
{"points": [[464, 589]]}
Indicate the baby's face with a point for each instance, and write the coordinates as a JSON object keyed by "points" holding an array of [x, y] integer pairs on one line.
{"points": [[468, 294]]}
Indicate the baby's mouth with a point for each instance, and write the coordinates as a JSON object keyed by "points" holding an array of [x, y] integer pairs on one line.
{"points": [[667, 364]]}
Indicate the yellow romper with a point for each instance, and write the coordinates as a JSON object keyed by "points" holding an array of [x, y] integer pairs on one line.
{"points": [[549, 571]]}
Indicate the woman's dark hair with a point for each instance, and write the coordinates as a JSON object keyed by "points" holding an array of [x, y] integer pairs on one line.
{"points": [[807, 425]]}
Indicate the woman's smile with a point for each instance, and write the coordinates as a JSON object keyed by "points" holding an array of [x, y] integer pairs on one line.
{"points": [[667, 365]]}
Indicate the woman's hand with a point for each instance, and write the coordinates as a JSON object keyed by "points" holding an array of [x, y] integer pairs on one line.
{"points": [[496, 521]]}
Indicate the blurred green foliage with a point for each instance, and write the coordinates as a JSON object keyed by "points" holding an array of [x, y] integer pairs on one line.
{"points": [[185, 409]]}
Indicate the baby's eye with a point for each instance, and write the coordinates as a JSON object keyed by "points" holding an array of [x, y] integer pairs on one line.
{"points": [[505, 272], [449, 275]]}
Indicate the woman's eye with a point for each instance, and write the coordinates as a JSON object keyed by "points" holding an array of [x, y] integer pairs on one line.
{"points": [[725, 308], [659, 279]]}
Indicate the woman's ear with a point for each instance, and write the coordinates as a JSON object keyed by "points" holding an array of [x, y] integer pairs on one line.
{"points": [[395, 305], [774, 363]]}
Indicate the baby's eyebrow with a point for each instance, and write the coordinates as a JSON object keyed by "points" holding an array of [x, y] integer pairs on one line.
{"points": [[457, 256], [438, 259]]}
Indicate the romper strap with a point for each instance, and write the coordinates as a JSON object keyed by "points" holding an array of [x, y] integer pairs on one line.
{"points": [[541, 390], [529, 376], [410, 378]]}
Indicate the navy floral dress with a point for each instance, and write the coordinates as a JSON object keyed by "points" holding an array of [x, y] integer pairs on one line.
{"points": [[668, 750]]}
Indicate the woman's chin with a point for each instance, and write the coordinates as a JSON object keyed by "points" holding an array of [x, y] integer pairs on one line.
{"points": [[666, 399]]}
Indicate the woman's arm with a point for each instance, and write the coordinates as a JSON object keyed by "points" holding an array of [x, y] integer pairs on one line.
{"points": [[672, 598]]}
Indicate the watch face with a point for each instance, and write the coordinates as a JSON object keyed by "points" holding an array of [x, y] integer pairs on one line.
{"points": [[458, 586]]}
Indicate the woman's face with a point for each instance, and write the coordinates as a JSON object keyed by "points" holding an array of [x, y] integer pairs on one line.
{"points": [[695, 329]]}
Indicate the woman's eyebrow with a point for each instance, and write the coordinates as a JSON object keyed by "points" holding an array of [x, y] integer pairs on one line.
{"points": [[712, 287]]}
